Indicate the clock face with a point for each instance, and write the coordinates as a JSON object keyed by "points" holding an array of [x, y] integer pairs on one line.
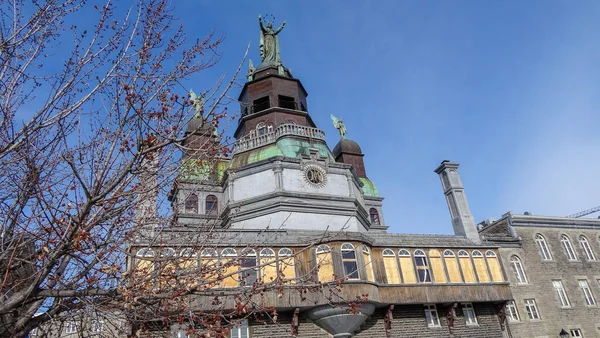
{"points": [[315, 176]]}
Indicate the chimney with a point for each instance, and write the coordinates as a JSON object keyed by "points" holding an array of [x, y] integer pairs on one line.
{"points": [[462, 220]]}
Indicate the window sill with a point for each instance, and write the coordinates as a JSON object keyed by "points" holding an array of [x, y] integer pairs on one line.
{"points": [[472, 324], [438, 326]]}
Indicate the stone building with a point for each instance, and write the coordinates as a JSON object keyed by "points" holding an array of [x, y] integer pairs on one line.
{"points": [[293, 211], [553, 266]]}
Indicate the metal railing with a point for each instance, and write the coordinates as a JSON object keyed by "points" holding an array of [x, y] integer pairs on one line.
{"points": [[256, 141]]}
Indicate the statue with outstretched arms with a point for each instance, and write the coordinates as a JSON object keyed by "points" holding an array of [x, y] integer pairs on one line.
{"points": [[269, 42]]}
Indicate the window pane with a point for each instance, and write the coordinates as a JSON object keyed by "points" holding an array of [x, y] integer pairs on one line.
{"points": [[351, 269]]}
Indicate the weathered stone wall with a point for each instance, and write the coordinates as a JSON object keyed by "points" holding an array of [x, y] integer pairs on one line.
{"points": [[409, 321], [540, 274]]}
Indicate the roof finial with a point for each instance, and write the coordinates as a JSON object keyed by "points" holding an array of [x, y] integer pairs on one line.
{"points": [[197, 103], [339, 125]]}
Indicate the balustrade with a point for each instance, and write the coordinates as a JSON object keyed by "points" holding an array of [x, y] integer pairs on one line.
{"points": [[256, 141]]}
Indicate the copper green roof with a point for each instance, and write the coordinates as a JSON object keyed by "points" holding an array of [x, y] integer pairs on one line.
{"points": [[203, 170], [285, 146], [369, 188]]}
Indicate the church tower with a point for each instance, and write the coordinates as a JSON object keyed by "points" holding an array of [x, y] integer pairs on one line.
{"points": [[281, 174]]}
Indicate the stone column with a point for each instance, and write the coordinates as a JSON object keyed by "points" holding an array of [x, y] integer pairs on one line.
{"points": [[462, 219]]}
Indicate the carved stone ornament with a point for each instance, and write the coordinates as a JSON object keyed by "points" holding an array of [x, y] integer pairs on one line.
{"points": [[315, 175]]}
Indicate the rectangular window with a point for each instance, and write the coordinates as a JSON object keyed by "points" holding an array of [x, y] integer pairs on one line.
{"points": [[349, 262], [261, 104], [180, 334], [561, 293], [71, 327], [423, 270], [287, 102], [532, 310], [587, 293], [576, 333], [249, 272], [431, 315], [511, 311], [97, 326], [469, 313], [240, 330]]}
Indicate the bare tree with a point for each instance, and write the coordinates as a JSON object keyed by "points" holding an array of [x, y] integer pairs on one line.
{"points": [[90, 133], [83, 110]]}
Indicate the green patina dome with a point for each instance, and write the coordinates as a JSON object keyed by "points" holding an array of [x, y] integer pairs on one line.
{"points": [[285, 146], [369, 188]]}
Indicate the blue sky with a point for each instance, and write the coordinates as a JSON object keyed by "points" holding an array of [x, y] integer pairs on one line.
{"points": [[509, 89]]}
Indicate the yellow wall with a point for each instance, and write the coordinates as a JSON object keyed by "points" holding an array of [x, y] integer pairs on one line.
{"points": [[453, 270], [188, 268], [368, 266], [437, 266], [287, 269], [408, 270], [391, 270], [481, 269], [467, 269], [232, 268], [209, 271], [495, 269], [325, 267], [268, 271]]}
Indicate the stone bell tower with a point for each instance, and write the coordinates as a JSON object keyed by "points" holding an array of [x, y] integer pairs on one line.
{"points": [[462, 219]]}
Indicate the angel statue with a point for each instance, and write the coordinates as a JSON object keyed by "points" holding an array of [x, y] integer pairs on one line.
{"points": [[269, 42], [198, 104], [339, 125]]}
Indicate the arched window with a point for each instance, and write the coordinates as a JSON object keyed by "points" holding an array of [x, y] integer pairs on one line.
{"points": [[211, 205], [261, 129], [566, 242], [349, 261], [324, 263], [249, 272], [517, 267], [480, 267], [145, 252], [585, 245], [407, 267], [187, 253], [374, 216], [544, 251], [167, 252], [466, 267], [268, 271], [391, 267], [228, 268], [287, 266], [437, 266], [368, 263], [191, 204], [422, 267], [495, 269]]}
